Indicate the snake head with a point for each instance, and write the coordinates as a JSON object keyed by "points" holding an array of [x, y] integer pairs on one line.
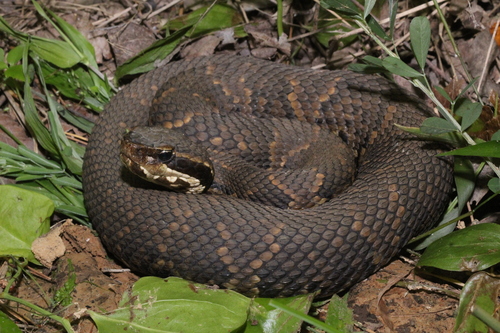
{"points": [[168, 158]]}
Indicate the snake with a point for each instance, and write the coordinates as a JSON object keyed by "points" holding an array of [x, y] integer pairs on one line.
{"points": [[399, 189]]}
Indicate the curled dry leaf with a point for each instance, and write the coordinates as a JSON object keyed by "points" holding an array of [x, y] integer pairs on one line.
{"points": [[49, 247]]}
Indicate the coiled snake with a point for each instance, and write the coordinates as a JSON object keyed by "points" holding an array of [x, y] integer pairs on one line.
{"points": [[400, 188]]}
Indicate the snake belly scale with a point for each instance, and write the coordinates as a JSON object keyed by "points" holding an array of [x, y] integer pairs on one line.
{"points": [[400, 189]]}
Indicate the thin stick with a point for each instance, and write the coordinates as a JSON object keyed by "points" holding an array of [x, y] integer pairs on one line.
{"points": [[164, 8], [488, 55], [385, 21]]}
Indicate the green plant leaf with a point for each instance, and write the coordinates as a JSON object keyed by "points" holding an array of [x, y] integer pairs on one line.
{"points": [[420, 38], [376, 28], [55, 51], [24, 216], [465, 180], [450, 215], [435, 125], [471, 249], [78, 84], [339, 315], [3, 64], [368, 7], [15, 72], [71, 35], [469, 112], [145, 61], [444, 94], [263, 317], [281, 304], [346, 7], [481, 291], [207, 19], [7, 325], [393, 11], [470, 84], [175, 305], [371, 65], [494, 185], [398, 67], [483, 149]]}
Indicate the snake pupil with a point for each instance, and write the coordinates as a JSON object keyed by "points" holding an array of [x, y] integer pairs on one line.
{"points": [[165, 156]]}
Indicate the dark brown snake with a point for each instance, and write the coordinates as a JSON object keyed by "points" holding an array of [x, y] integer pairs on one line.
{"points": [[401, 188]]}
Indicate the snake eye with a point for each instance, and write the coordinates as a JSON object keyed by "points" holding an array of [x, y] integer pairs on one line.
{"points": [[165, 156]]}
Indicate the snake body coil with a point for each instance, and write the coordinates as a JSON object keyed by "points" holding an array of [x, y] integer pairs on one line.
{"points": [[400, 189]]}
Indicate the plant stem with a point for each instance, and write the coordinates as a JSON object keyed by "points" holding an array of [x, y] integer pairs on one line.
{"points": [[64, 322], [429, 93], [485, 317], [279, 19]]}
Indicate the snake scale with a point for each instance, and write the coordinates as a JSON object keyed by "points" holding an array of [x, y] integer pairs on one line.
{"points": [[400, 189]]}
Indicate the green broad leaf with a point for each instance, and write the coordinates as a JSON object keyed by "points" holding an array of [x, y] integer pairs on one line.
{"points": [[484, 149], [7, 325], [368, 7], [469, 112], [207, 19], [471, 249], [175, 305], [479, 293], [16, 54], [496, 136], [420, 38], [263, 317], [24, 216], [145, 61], [55, 51], [15, 72], [396, 66], [435, 125], [339, 315], [345, 7], [494, 185]]}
